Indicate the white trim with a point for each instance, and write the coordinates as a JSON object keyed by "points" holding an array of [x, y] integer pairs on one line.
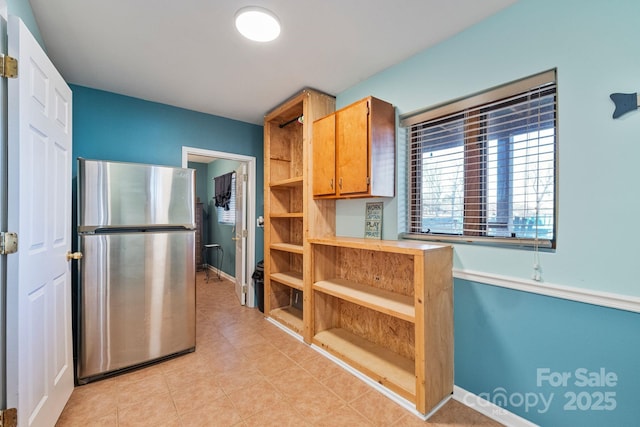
{"points": [[213, 274], [589, 296], [489, 409], [285, 329], [251, 207]]}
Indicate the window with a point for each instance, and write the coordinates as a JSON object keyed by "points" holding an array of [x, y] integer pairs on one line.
{"points": [[483, 169], [229, 217]]}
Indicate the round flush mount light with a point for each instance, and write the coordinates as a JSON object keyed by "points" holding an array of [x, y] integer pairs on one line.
{"points": [[257, 24]]}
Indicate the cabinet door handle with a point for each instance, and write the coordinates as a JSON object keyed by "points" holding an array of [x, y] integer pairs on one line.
{"points": [[340, 183], [331, 183]]}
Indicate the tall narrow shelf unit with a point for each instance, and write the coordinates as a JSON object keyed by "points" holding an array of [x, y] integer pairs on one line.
{"points": [[289, 207], [386, 308]]}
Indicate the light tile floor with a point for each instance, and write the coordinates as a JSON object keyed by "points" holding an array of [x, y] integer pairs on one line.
{"points": [[244, 372]]}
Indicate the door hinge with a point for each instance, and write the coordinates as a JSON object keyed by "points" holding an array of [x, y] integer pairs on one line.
{"points": [[9, 417], [8, 243], [244, 289], [244, 177], [368, 180], [8, 66], [244, 233]]}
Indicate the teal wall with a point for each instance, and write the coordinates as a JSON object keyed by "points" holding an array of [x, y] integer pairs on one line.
{"points": [[201, 180], [592, 44], [503, 336], [221, 234], [214, 232], [108, 126], [201, 196]]}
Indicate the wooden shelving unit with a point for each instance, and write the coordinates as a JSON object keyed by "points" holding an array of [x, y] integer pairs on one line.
{"points": [[383, 307], [289, 207], [386, 308]]}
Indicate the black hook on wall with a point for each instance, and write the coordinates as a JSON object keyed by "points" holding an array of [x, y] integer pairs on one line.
{"points": [[624, 102]]}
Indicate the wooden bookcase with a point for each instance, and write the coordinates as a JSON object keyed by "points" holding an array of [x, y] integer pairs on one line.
{"points": [[386, 308], [383, 307], [288, 205]]}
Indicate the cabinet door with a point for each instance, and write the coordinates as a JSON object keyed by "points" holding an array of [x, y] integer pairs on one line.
{"points": [[352, 142], [324, 156]]}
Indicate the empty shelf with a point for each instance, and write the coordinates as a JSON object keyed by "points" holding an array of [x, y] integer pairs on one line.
{"points": [[289, 278], [287, 247], [290, 182], [384, 366], [286, 215], [383, 301], [291, 317]]}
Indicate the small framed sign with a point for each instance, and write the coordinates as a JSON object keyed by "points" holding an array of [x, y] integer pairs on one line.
{"points": [[373, 220]]}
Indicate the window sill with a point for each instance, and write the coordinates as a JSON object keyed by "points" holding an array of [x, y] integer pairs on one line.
{"points": [[512, 242]]}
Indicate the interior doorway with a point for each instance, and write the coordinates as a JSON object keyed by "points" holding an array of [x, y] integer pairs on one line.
{"points": [[199, 155]]}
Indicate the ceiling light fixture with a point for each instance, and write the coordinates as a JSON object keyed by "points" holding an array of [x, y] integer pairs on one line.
{"points": [[258, 24]]}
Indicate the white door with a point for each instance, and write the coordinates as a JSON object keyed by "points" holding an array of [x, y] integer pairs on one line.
{"points": [[241, 233], [39, 340]]}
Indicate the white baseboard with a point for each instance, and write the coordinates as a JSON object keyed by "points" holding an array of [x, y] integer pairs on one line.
{"points": [[284, 329], [213, 273], [489, 409]]}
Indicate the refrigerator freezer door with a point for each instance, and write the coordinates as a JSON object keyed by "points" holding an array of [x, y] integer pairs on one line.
{"points": [[136, 300], [133, 195]]}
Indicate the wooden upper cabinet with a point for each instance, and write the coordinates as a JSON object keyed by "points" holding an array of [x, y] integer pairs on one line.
{"points": [[354, 151], [324, 156], [352, 146]]}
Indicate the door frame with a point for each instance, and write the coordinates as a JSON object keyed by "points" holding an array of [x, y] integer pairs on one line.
{"points": [[4, 141], [250, 199], [241, 206]]}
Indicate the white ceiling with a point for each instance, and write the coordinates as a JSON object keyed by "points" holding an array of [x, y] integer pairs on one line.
{"points": [[200, 158], [187, 53]]}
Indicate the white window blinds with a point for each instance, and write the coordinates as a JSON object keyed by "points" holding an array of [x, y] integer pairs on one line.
{"points": [[483, 168]]}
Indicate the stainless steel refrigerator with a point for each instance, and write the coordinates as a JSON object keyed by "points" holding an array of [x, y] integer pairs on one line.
{"points": [[136, 288]]}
